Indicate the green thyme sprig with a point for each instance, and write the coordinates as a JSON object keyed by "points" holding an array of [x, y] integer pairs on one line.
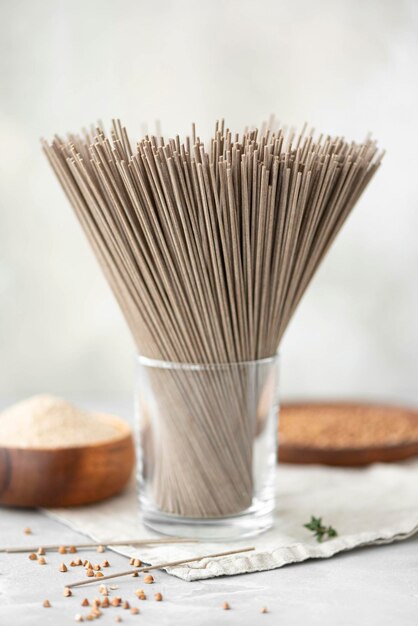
{"points": [[320, 531]]}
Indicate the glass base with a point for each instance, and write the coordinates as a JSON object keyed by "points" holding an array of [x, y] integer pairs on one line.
{"points": [[253, 521]]}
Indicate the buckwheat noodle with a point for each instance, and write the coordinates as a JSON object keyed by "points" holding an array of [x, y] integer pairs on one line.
{"points": [[208, 252]]}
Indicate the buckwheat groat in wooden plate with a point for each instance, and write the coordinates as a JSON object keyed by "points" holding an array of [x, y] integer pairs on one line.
{"points": [[346, 433]]}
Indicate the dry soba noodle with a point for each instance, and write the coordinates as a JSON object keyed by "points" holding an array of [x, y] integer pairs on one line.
{"points": [[208, 251]]}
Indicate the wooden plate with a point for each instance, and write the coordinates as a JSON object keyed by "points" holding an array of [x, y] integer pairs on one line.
{"points": [[56, 477], [346, 433]]}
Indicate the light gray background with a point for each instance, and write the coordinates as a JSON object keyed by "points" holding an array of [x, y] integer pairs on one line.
{"points": [[346, 66]]}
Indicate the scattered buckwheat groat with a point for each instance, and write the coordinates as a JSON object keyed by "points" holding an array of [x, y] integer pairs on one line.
{"points": [[226, 606], [46, 604], [63, 568], [148, 579]]}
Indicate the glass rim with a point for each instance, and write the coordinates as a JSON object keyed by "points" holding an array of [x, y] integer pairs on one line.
{"points": [[175, 365]]}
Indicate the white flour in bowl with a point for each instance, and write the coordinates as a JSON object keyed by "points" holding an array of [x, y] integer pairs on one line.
{"points": [[47, 422]]}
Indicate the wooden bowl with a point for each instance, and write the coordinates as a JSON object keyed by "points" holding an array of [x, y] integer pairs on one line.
{"points": [[350, 419], [56, 477]]}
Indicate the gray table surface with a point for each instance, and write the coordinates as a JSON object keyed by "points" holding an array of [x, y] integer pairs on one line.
{"points": [[377, 585], [370, 586]]}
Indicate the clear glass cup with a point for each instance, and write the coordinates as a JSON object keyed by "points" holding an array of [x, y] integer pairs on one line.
{"points": [[207, 447]]}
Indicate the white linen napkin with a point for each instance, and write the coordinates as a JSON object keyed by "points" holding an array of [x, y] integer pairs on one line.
{"points": [[375, 505]]}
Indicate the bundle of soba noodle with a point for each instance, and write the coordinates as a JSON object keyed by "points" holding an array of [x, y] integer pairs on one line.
{"points": [[208, 250]]}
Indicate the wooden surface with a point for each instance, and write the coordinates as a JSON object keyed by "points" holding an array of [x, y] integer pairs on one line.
{"points": [[352, 455], [67, 476]]}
